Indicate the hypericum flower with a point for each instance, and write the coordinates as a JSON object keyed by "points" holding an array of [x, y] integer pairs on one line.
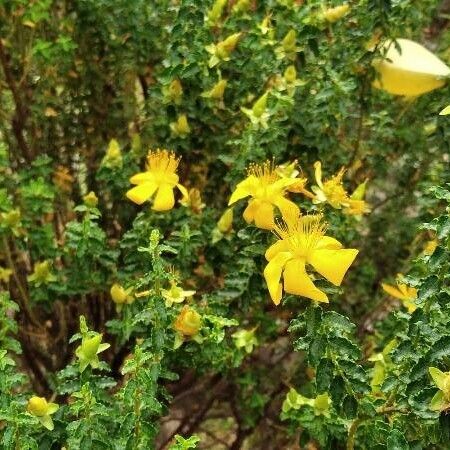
{"points": [[160, 178], [181, 126], [42, 410], [402, 292], [321, 404], [90, 200], [5, 274], [175, 294], [223, 49], [173, 92], [302, 241], [289, 170], [113, 156], [193, 201], [42, 273], [441, 399], [121, 296], [89, 349], [187, 325], [332, 190], [334, 14], [245, 339], [258, 113], [356, 205], [267, 190]]}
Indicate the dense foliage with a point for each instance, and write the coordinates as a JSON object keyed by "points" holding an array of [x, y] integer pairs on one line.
{"points": [[140, 296]]}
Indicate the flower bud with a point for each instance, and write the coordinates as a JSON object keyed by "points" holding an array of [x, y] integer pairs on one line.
{"points": [[215, 13], [225, 47], [290, 74], [37, 406], [113, 156], [90, 199], [120, 295], [189, 322], [334, 14], [225, 223], [89, 346], [289, 41], [260, 105], [181, 126], [174, 92], [217, 90]]}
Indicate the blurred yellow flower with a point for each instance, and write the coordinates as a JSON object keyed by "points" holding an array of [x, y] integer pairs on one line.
{"points": [[302, 241], [258, 113], [173, 92], [187, 325], [334, 14], [88, 351], [42, 410], [441, 399], [121, 296], [90, 199], [5, 274], [217, 91], [193, 201], [430, 246], [402, 292], [160, 179], [181, 126], [223, 49], [175, 294], [225, 223], [267, 190], [113, 157], [42, 273]]}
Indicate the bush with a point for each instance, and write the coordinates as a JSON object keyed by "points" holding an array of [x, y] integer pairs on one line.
{"points": [[206, 209]]}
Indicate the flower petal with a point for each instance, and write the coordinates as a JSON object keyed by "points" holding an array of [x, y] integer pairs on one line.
{"points": [[52, 408], [183, 191], [298, 282], [47, 422], [439, 377], [332, 264], [393, 291], [243, 189], [142, 177], [263, 214], [142, 192], [287, 208], [329, 243], [249, 212], [318, 173], [272, 275], [164, 199], [274, 249]]}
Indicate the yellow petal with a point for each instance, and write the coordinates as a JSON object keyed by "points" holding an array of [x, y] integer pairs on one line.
{"points": [[274, 249], [142, 192], [318, 173], [52, 408], [298, 282], [445, 111], [264, 215], [243, 189], [439, 377], [332, 264], [393, 291], [164, 199], [143, 177], [412, 71], [287, 208], [183, 190], [249, 212], [272, 275], [329, 243], [47, 422]]}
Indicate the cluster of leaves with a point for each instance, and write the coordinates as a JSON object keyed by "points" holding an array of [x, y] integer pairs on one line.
{"points": [[87, 316]]}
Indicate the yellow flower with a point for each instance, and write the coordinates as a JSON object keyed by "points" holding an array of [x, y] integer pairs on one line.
{"points": [[289, 170], [120, 295], [332, 190], [445, 111], [334, 14], [88, 351], [193, 201], [223, 49], [40, 408], [267, 190], [356, 205], [5, 274], [175, 294], [402, 292], [288, 47], [441, 399], [42, 273], [217, 91], [258, 114], [90, 199], [181, 126], [113, 156], [160, 178], [188, 322], [302, 241], [215, 13]]}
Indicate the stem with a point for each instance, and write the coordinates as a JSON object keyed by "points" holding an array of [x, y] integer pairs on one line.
{"points": [[352, 433]]}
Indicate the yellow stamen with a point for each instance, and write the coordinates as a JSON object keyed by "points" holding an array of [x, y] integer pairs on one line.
{"points": [[265, 172], [162, 161]]}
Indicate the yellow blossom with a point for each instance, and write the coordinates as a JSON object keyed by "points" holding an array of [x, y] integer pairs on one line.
{"points": [[187, 325], [258, 114], [42, 410], [302, 241], [5, 274], [42, 273], [334, 14], [289, 170], [332, 190], [267, 190], [288, 47], [175, 294], [181, 126], [88, 351], [113, 156], [402, 292], [90, 199], [193, 201], [160, 180], [121, 296], [441, 400], [223, 49]]}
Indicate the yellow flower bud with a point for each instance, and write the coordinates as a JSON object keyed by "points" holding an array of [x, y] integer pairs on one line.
{"points": [[225, 222], [42, 273], [217, 90], [113, 156], [241, 6], [37, 406], [225, 47], [120, 295], [290, 74], [90, 199], [215, 13], [260, 105], [289, 41], [89, 346], [188, 322], [334, 14], [174, 92], [181, 126], [11, 218]]}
